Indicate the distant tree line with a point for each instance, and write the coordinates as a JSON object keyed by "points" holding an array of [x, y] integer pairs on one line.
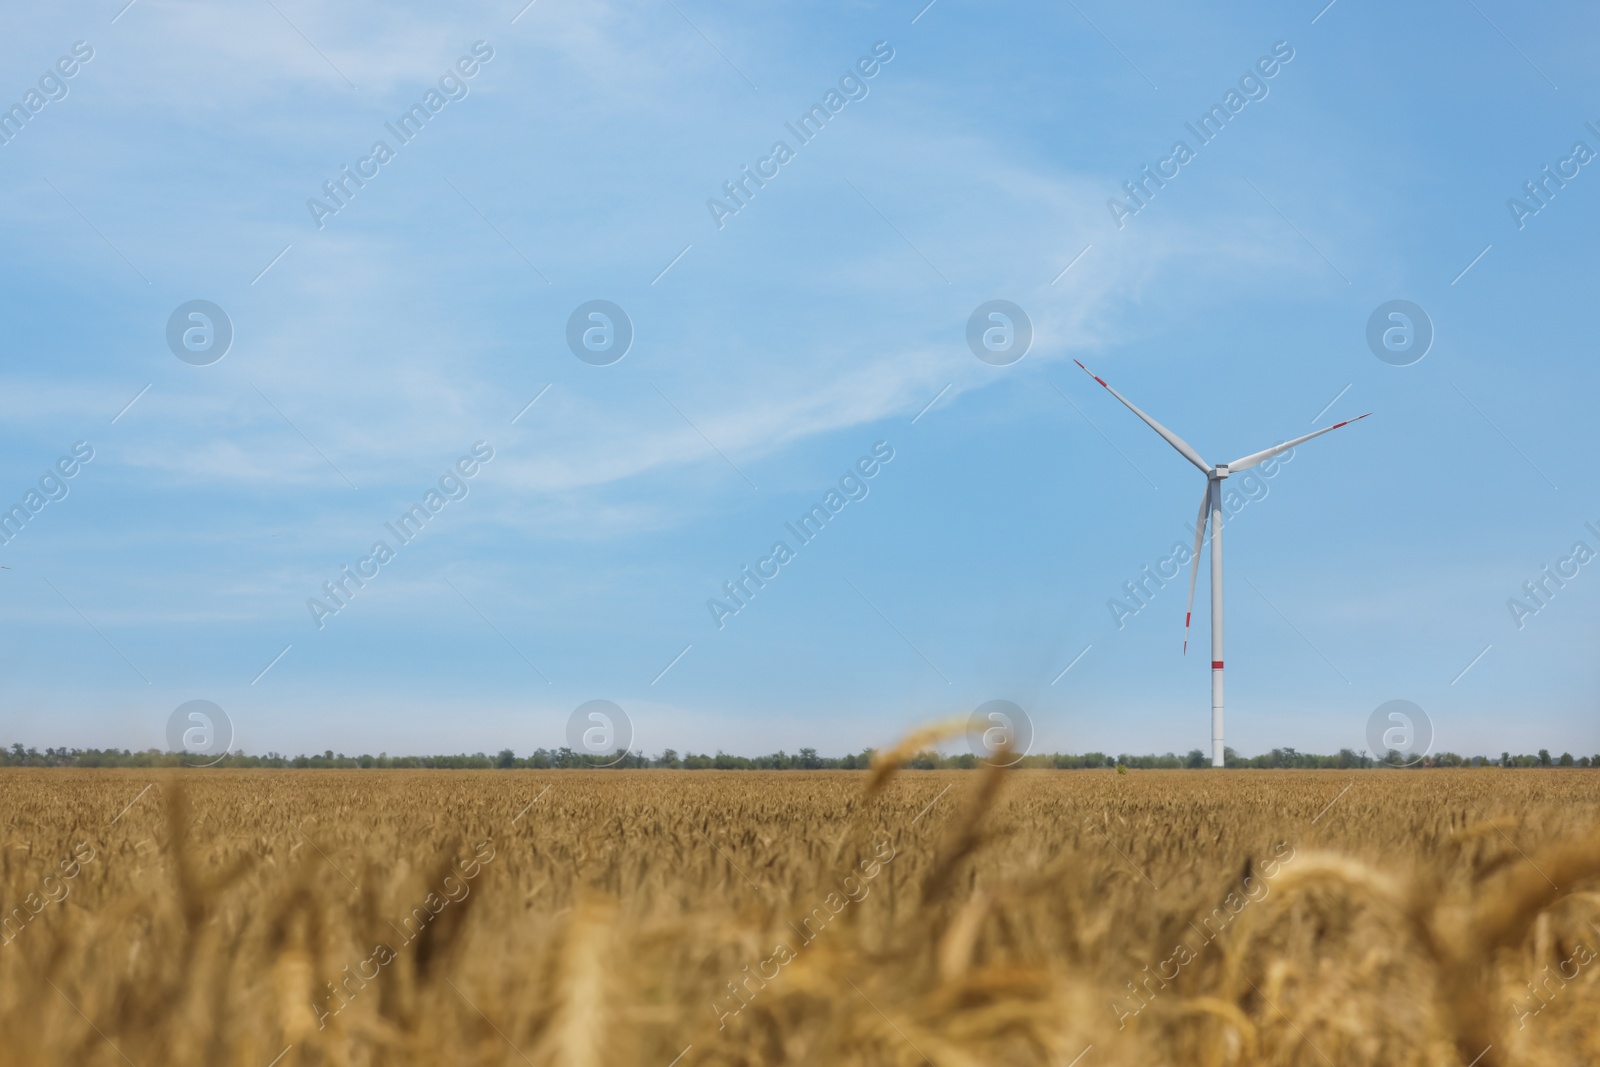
{"points": [[804, 760]]}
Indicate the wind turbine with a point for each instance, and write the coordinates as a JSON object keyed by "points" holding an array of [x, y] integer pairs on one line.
{"points": [[1211, 507]]}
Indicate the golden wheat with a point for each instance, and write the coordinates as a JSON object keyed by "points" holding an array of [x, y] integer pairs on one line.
{"points": [[606, 918]]}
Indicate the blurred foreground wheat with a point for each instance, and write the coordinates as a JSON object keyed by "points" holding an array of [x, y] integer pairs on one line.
{"points": [[605, 918]]}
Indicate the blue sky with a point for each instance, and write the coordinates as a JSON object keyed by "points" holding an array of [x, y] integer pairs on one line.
{"points": [[770, 353]]}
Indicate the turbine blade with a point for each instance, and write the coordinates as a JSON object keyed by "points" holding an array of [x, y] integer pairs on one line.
{"points": [[1250, 461], [1194, 571], [1171, 438]]}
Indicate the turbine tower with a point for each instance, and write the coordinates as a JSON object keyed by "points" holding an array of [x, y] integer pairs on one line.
{"points": [[1211, 508]]}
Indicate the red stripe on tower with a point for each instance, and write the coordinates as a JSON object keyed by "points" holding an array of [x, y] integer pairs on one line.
{"points": [[1216, 664]]}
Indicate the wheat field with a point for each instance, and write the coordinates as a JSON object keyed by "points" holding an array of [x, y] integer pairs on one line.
{"points": [[256, 918]]}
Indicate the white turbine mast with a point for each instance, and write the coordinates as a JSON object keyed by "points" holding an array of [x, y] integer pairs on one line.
{"points": [[1211, 509]]}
